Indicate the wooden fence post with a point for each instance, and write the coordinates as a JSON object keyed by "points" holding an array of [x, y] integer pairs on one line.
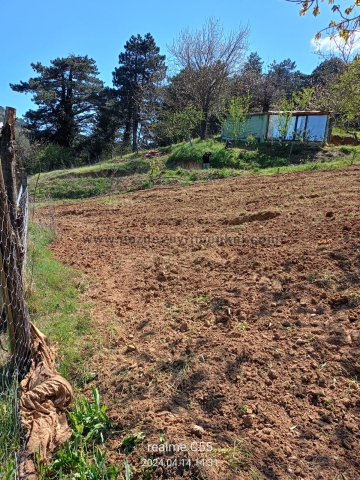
{"points": [[12, 291], [8, 161]]}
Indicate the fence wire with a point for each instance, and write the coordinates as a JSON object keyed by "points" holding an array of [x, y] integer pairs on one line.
{"points": [[15, 349]]}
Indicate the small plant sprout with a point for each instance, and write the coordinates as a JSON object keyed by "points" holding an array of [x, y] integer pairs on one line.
{"points": [[162, 437], [131, 440], [242, 326], [243, 408]]}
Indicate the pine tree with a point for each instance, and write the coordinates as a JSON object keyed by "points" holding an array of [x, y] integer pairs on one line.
{"points": [[141, 70], [66, 94]]}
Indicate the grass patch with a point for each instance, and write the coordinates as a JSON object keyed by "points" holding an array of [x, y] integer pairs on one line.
{"points": [[238, 457], [52, 295], [84, 455], [9, 428], [184, 165], [72, 188]]}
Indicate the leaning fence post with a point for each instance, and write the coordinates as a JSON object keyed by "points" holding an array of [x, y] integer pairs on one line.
{"points": [[11, 254], [8, 161]]}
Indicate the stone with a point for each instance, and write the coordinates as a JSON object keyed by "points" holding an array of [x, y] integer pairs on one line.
{"points": [[184, 327], [197, 430], [130, 348], [273, 375], [248, 420]]}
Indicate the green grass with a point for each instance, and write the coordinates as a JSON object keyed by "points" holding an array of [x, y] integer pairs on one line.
{"points": [[184, 165], [52, 295], [9, 429], [342, 131], [84, 455]]}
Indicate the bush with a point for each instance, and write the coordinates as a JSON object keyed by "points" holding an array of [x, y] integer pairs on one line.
{"points": [[46, 157]]}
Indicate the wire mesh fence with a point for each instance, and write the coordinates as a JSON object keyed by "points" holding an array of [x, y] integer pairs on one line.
{"points": [[15, 351], [33, 396], [15, 345]]}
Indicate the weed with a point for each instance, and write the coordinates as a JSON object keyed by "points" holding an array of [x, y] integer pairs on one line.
{"points": [[74, 460], [130, 441], [323, 280], [204, 298], [243, 408], [353, 384], [255, 474], [80, 457], [146, 184], [329, 404], [162, 437], [127, 470], [242, 326], [238, 457], [182, 373], [90, 419]]}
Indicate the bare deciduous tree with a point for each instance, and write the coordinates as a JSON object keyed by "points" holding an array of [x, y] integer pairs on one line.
{"points": [[336, 47], [207, 58]]}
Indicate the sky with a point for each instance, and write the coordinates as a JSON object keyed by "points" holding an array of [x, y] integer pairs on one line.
{"points": [[42, 30]]}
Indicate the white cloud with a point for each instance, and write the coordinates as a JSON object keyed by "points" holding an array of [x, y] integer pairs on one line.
{"points": [[337, 44]]}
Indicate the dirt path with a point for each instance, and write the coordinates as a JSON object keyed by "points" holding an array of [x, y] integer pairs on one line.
{"points": [[226, 330]]}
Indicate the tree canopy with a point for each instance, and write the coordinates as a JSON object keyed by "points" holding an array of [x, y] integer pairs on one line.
{"points": [[141, 70], [66, 93]]}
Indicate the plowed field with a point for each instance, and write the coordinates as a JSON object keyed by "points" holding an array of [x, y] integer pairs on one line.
{"points": [[226, 324]]}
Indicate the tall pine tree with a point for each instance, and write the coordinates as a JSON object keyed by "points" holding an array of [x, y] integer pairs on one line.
{"points": [[66, 94], [141, 70]]}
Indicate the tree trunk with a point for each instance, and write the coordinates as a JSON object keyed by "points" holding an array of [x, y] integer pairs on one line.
{"points": [[135, 126], [203, 128]]}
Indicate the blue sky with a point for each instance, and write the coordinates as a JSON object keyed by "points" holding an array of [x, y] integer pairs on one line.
{"points": [[42, 30]]}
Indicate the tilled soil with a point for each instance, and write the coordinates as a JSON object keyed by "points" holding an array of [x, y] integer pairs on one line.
{"points": [[226, 319]]}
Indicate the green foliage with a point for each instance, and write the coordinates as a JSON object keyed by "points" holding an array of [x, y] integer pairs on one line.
{"points": [[141, 70], [302, 99], [43, 157], [90, 419], [194, 176], [52, 297], [347, 91], [236, 121], [130, 441], [283, 119], [66, 94], [9, 427], [146, 184], [251, 141], [77, 187], [79, 457], [156, 166], [298, 101], [178, 126], [76, 462]]}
